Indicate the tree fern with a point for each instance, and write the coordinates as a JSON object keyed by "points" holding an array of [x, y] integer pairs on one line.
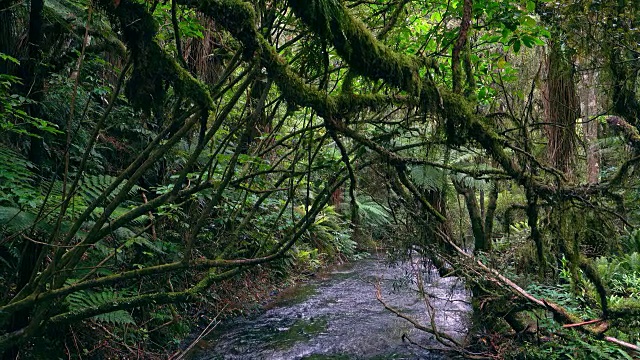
{"points": [[372, 212], [437, 179], [329, 232], [429, 177]]}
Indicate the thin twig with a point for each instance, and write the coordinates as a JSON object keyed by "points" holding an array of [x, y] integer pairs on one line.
{"points": [[623, 344], [566, 326], [207, 330], [416, 324]]}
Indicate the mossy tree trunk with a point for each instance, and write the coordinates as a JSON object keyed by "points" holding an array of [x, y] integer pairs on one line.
{"points": [[561, 108], [489, 216], [481, 243], [625, 100]]}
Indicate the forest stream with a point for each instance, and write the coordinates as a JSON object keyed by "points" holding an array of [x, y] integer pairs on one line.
{"points": [[337, 316]]}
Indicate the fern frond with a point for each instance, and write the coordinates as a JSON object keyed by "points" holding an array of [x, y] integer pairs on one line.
{"points": [[87, 299], [17, 180], [472, 183], [92, 186], [429, 177], [325, 11], [372, 212], [632, 262], [120, 211], [131, 238], [14, 219]]}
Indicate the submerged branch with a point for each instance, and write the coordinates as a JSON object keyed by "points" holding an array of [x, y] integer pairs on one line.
{"points": [[450, 341]]}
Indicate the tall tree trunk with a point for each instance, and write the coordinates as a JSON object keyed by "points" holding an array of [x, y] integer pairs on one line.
{"points": [[33, 87], [481, 243], [261, 122], [32, 79], [202, 53], [562, 109], [589, 109], [492, 205], [624, 66], [7, 34], [437, 199], [536, 235]]}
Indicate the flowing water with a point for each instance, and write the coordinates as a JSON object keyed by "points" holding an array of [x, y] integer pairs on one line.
{"points": [[338, 317]]}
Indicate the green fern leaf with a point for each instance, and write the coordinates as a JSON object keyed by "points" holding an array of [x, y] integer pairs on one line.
{"points": [[429, 177], [118, 317], [372, 212], [14, 219], [87, 299], [92, 186], [17, 180]]}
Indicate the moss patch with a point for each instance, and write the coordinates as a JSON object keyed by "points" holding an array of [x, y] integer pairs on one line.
{"points": [[355, 43], [301, 330]]}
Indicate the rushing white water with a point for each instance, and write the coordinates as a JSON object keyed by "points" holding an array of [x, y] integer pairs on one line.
{"points": [[338, 317]]}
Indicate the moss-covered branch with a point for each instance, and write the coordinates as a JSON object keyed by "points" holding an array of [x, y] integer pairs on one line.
{"points": [[460, 44], [627, 130], [376, 61], [126, 303], [154, 69], [356, 45]]}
